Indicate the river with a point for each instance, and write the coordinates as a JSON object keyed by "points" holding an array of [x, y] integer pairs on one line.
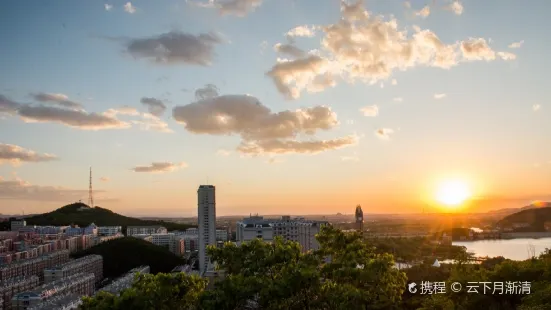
{"points": [[515, 249]]}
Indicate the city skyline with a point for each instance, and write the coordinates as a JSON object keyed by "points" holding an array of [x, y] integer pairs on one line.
{"points": [[160, 97]]}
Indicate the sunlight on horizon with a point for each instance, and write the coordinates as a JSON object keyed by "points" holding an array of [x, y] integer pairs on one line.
{"points": [[453, 193]]}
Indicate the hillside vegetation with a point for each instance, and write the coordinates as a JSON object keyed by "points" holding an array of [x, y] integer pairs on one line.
{"points": [[82, 215], [536, 217], [123, 254]]}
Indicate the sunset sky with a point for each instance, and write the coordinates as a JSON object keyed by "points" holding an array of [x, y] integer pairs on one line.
{"points": [[287, 106]]}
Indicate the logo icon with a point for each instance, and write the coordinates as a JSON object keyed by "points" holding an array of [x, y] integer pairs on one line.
{"points": [[411, 287]]}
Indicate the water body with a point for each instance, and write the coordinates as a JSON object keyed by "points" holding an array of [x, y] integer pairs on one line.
{"points": [[515, 249]]}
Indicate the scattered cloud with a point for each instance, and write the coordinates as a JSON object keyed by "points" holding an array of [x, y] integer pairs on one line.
{"points": [[456, 7], [105, 179], [8, 106], [302, 31], [154, 106], [239, 8], [372, 110], [224, 153], [207, 92], [506, 56], [108, 7], [384, 133], [153, 123], [129, 8], [439, 96], [160, 167], [57, 99], [124, 110], [424, 12], [516, 44], [398, 99], [261, 130], [18, 189], [536, 107], [263, 45], [289, 49], [407, 4], [15, 154], [174, 48], [368, 48], [394, 82]]}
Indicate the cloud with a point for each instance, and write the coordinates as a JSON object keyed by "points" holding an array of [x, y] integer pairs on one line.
{"points": [[18, 189], [261, 130], [394, 82], [207, 92], [516, 44], [398, 99], [456, 7], [223, 153], [124, 110], [424, 12], [57, 99], [302, 31], [238, 8], [384, 133], [160, 167], [15, 154], [8, 106], [289, 49], [129, 8], [154, 106], [367, 48], [73, 118], [372, 110], [105, 179], [175, 47], [506, 56], [152, 122], [108, 7], [439, 96], [536, 107]]}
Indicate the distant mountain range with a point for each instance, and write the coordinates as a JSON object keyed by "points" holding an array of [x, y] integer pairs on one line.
{"points": [[508, 211], [82, 215], [534, 217]]}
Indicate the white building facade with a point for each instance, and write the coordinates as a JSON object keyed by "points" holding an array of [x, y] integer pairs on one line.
{"points": [[206, 213], [109, 230]]}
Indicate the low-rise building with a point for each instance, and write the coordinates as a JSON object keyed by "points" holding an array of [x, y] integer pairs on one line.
{"points": [[145, 230], [61, 302], [124, 281], [87, 264], [172, 242], [15, 225], [81, 284], [33, 266], [109, 230], [12, 287]]}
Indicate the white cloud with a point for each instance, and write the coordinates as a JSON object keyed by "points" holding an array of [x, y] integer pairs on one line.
{"points": [[398, 99], [277, 146], [153, 123], [154, 106], [160, 167], [129, 8], [424, 12], [239, 8], [124, 110], [506, 56], [456, 7], [16, 154], [290, 50], [536, 107], [439, 96], [302, 31], [174, 48], [108, 7], [207, 92], [477, 49], [516, 44], [57, 99], [372, 110], [384, 133]]}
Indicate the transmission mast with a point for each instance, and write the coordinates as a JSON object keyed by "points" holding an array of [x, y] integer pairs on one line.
{"points": [[90, 192]]}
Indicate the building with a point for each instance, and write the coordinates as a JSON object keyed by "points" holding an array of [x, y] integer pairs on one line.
{"points": [[15, 225], [109, 230], [221, 235], [68, 301], [91, 229], [206, 214], [172, 242], [33, 266], [11, 287], [359, 216], [87, 264], [145, 230], [124, 281], [299, 230], [81, 284]]}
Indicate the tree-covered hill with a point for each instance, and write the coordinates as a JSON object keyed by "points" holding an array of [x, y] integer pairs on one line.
{"points": [[535, 217], [82, 215], [123, 254]]}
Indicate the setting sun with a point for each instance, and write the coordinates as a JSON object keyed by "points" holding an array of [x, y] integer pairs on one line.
{"points": [[452, 193]]}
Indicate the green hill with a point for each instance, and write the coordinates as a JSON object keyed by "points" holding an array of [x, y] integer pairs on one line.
{"points": [[535, 217], [123, 254], [82, 215]]}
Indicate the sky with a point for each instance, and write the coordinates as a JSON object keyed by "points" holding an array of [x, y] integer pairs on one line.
{"points": [[287, 106]]}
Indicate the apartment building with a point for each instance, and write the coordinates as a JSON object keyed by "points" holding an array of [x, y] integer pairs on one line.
{"points": [[109, 230], [34, 266], [298, 230], [61, 302], [81, 284], [206, 215], [145, 230], [99, 239], [87, 264], [124, 281], [11, 287], [172, 242], [15, 225]]}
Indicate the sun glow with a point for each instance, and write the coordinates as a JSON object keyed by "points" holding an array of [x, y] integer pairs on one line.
{"points": [[452, 193]]}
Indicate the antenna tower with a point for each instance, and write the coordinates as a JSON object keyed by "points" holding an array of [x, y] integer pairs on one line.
{"points": [[90, 192]]}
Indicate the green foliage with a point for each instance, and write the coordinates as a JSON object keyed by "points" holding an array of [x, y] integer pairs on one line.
{"points": [[416, 248], [82, 215], [161, 292], [120, 255]]}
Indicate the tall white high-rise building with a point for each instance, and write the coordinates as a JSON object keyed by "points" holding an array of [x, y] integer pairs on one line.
{"points": [[206, 213]]}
